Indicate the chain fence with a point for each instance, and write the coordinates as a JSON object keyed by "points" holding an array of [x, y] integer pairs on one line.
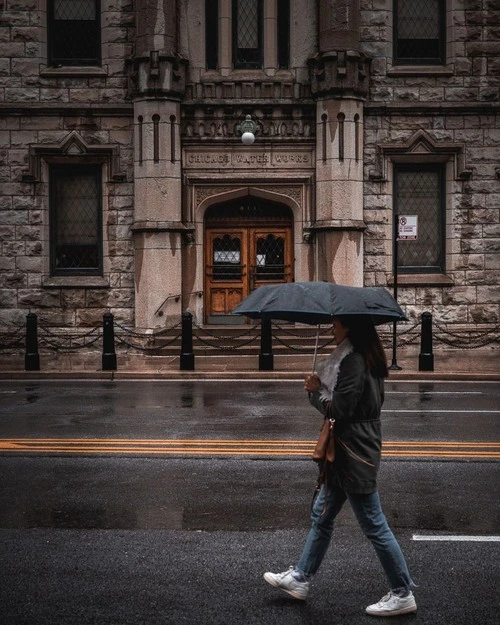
{"points": [[285, 337]]}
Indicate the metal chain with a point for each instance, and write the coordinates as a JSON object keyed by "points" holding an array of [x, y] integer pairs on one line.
{"points": [[228, 347]]}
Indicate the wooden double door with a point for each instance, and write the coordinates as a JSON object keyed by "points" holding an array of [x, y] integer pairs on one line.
{"points": [[241, 258]]}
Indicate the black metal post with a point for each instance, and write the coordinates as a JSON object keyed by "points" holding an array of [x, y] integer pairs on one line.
{"points": [[187, 355], [108, 343], [31, 357], [394, 365], [266, 358], [426, 357]]}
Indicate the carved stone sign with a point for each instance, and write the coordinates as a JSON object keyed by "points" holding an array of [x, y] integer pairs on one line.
{"points": [[242, 159]]}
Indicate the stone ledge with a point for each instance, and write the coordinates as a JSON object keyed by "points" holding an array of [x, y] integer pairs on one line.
{"points": [[422, 279], [78, 282]]}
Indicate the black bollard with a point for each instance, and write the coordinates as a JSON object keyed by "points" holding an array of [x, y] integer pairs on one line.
{"points": [[426, 357], [108, 343], [187, 355], [31, 357], [266, 358]]}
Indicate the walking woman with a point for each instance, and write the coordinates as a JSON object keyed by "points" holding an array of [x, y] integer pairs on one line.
{"points": [[349, 388]]}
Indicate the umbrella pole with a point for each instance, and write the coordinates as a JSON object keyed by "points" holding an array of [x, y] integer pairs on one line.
{"points": [[315, 351]]}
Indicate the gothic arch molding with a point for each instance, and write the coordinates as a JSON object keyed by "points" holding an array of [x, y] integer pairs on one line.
{"points": [[290, 196]]}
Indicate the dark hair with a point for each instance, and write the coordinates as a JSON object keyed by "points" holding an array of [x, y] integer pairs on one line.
{"points": [[366, 341]]}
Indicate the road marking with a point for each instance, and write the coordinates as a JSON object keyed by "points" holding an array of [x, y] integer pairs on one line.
{"points": [[442, 411], [458, 538], [240, 447]]}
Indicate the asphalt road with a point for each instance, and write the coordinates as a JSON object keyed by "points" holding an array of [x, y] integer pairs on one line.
{"points": [[142, 531]]}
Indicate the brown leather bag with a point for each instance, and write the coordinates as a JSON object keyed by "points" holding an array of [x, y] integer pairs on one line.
{"points": [[325, 447]]}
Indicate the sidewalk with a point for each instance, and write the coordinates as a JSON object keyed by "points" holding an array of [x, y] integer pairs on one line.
{"points": [[449, 364]]}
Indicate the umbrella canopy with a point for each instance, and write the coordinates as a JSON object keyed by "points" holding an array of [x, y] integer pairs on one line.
{"points": [[319, 302]]}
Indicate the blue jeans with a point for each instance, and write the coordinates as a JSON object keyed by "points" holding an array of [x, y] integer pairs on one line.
{"points": [[374, 525]]}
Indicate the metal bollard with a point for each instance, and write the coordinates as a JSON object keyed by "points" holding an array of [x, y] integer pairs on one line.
{"points": [[266, 358], [187, 355], [426, 357], [31, 357], [108, 343]]}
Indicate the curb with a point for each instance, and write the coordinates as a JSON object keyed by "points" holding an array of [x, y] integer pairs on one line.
{"points": [[396, 376]]}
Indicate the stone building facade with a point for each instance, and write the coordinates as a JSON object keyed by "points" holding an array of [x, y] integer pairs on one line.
{"points": [[125, 184]]}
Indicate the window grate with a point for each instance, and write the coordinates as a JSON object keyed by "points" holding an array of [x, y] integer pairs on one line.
{"points": [[270, 258], [226, 258], [420, 193], [247, 34], [419, 31], [76, 221], [74, 32]]}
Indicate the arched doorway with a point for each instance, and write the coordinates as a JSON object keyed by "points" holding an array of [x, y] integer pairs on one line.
{"points": [[248, 243]]}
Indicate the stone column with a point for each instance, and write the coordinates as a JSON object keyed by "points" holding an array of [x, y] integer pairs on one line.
{"points": [[339, 80], [157, 79]]}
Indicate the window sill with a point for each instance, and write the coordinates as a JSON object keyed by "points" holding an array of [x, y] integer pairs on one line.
{"points": [[69, 70], [422, 279], [419, 70], [75, 282]]}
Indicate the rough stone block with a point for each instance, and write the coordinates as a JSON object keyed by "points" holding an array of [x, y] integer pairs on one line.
{"points": [[488, 295], [485, 313], [459, 295]]}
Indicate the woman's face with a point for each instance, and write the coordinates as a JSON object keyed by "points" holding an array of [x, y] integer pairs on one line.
{"points": [[340, 331]]}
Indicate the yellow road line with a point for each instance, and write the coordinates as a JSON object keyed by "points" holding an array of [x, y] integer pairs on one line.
{"points": [[235, 447]]}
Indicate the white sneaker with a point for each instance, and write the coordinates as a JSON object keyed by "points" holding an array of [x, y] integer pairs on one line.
{"points": [[287, 582], [392, 605]]}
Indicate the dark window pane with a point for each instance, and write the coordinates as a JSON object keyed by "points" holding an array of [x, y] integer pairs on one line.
{"points": [[420, 193], [283, 34], [226, 258], [74, 32], [247, 34], [212, 33], [76, 220], [270, 258], [419, 31]]}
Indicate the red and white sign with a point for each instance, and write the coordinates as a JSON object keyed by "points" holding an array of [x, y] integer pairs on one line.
{"points": [[407, 227]]}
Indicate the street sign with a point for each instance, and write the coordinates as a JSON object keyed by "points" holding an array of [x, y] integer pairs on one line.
{"points": [[407, 227]]}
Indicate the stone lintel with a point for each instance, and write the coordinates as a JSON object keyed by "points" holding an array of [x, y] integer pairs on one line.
{"points": [[339, 224], [431, 108], [160, 226], [33, 109]]}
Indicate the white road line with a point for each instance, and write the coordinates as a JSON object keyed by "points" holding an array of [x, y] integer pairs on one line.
{"points": [[457, 538], [443, 411], [434, 393]]}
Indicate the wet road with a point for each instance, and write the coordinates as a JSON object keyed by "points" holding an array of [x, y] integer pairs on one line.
{"points": [[147, 502]]}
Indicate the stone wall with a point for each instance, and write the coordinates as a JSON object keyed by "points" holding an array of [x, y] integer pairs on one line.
{"points": [[71, 113], [455, 106]]}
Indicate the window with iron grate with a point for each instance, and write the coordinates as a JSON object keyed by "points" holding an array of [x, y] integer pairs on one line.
{"points": [[74, 33], [419, 32], [419, 190], [247, 34], [75, 220]]}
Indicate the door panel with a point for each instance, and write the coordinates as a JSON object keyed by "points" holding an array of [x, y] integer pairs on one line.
{"points": [[226, 271], [270, 261], [238, 260]]}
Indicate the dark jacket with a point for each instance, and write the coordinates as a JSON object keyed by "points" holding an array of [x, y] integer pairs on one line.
{"points": [[356, 405]]}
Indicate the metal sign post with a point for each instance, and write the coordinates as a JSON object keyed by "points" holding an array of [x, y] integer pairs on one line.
{"points": [[394, 365], [405, 229]]}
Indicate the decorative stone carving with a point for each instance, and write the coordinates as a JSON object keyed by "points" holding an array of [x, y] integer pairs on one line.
{"points": [[74, 145], [214, 123], [340, 73], [423, 147]]}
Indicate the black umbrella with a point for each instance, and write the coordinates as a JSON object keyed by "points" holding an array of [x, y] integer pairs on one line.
{"points": [[320, 302]]}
